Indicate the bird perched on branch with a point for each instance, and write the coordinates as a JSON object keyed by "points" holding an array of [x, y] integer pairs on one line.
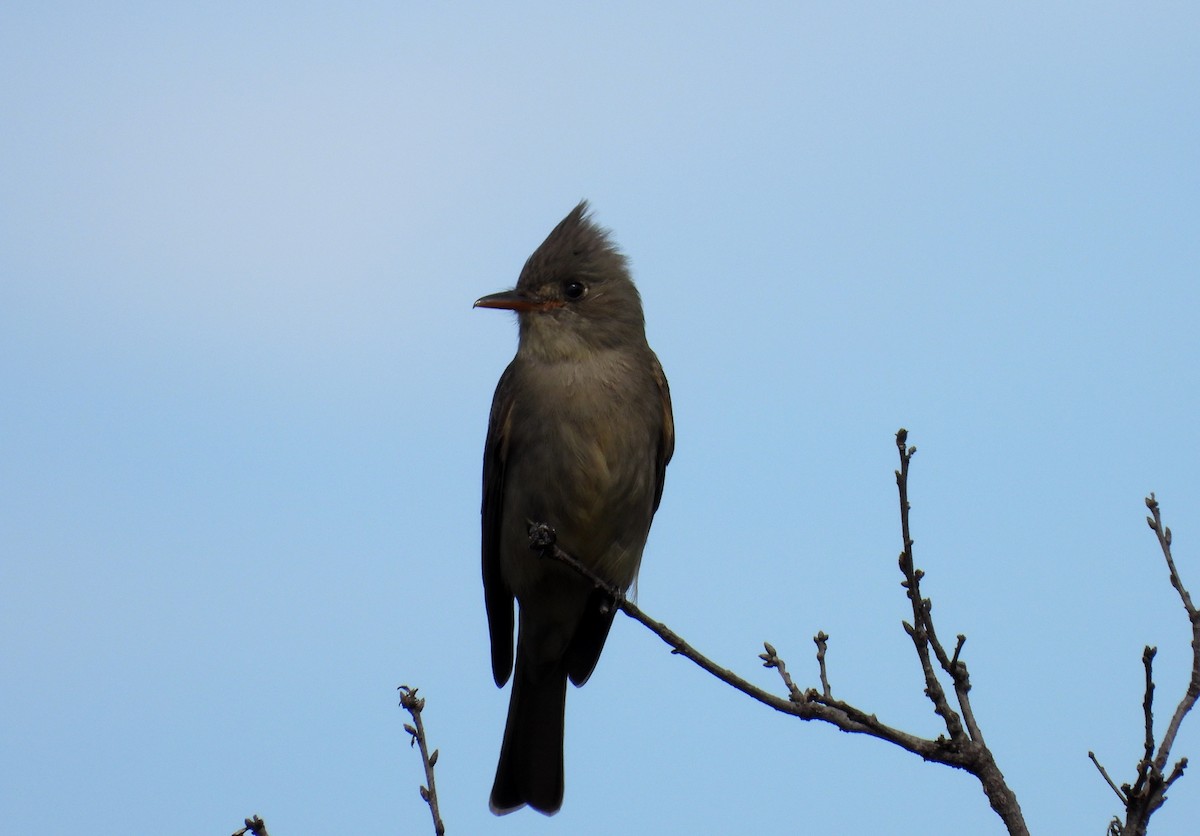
{"points": [[579, 438]]}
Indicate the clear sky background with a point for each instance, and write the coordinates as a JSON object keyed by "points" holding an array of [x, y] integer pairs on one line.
{"points": [[245, 396]]}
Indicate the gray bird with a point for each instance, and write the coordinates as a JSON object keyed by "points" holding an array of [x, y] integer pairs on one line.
{"points": [[579, 438]]}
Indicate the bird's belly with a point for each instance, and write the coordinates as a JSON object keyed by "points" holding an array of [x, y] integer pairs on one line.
{"points": [[594, 488]]}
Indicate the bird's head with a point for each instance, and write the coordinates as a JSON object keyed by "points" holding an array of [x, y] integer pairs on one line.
{"points": [[574, 295]]}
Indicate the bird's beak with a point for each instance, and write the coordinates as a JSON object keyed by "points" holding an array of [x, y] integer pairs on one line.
{"points": [[514, 300]]}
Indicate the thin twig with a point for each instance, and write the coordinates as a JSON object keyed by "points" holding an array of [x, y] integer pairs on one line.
{"points": [[957, 650], [1104, 772], [410, 702], [772, 660], [1176, 773], [1148, 706], [822, 642], [1164, 541]]}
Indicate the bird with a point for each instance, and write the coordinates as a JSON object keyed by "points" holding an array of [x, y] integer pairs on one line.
{"points": [[579, 437]]}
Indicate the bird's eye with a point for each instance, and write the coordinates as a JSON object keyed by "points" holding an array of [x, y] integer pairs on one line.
{"points": [[574, 290]]}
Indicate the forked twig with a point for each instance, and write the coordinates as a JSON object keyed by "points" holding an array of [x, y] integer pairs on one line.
{"points": [[1149, 789]]}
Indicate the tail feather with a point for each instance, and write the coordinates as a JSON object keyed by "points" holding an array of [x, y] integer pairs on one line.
{"points": [[531, 757], [590, 635]]}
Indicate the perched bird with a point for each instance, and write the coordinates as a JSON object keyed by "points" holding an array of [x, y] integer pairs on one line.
{"points": [[579, 438]]}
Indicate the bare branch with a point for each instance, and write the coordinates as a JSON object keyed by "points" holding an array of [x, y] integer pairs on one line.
{"points": [[1193, 689], [807, 705], [414, 705], [921, 629], [963, 749], [1149, 789]]}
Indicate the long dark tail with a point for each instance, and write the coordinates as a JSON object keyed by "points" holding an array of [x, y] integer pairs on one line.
{"points": [[531, 758]]}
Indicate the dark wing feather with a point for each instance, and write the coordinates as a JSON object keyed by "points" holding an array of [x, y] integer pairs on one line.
{"points": [[496, 594], [666, 444]]}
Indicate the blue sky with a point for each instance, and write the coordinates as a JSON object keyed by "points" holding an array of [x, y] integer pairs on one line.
{"points": [[246, 396]]}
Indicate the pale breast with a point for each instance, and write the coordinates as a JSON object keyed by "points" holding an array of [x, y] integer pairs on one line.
{"points": [[583, 446]]}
